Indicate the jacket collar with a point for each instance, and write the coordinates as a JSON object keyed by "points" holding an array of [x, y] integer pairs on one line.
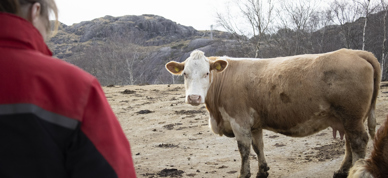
{"points": [[16, 32]]}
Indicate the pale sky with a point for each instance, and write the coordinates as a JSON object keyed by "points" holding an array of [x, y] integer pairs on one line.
{"points": [[199, 14]]}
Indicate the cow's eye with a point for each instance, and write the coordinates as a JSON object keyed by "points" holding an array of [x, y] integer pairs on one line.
{"points": [[185, 74], [206, 75]]}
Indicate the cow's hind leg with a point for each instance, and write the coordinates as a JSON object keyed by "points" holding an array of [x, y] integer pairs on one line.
{"points": [[258, 146], [346, 162], [356, 142], [244, 138]]}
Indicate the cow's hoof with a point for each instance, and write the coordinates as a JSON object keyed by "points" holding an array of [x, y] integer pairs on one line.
{"points": [[264, 167], [340, 175], [262, 175]]}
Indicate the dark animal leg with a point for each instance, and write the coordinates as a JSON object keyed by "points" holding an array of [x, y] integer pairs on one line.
{"points": [[258, 147], [244, 153], [356, 141], [346, 162], [244, 139]]}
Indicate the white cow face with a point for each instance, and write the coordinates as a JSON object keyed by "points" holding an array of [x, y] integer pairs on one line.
{"points": [[197, 70]]}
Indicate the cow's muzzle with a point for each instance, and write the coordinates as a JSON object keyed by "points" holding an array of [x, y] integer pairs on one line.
{"points": [[194, 99]]}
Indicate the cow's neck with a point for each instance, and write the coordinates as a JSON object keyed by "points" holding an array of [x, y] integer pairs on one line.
{"points": [[212, 99]]}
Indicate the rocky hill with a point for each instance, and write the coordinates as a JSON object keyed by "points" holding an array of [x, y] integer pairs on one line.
{"points": [[110, 47], [134, 49]]}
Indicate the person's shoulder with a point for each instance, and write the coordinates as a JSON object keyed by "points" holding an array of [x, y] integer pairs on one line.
{"points": [[66, 69]]}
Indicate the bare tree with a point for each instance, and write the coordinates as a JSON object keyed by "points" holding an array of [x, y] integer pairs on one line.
{"points": [[116, 61], [296, 14], [301, 17], [128, 55], [326, 18], [256, 13], [383, 52], [367, 8], [282, 42], [367, 11], [345, 13], [228, 21]]}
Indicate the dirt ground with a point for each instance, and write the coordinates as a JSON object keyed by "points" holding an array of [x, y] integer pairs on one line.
{"points": [[172, 139]]}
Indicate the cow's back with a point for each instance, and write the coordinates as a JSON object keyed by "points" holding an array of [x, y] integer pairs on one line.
{"points": [[290, 93]]}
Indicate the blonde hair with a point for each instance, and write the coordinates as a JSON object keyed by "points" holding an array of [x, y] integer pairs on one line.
{"points": [[47, 6]]}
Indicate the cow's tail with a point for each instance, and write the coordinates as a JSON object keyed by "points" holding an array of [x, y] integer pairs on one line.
{"points": [[368, 56], [376, 165]]}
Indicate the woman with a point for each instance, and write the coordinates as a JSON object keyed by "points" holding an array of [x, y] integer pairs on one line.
{"points": [[54, 118]]}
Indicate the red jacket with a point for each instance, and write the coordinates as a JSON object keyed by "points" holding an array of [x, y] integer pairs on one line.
{"points": [[54, 118]]}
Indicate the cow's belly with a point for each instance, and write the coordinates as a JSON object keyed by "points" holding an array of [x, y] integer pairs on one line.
{"points": [[306, 128]]}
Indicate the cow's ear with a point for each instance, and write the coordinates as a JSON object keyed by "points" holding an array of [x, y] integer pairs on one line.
{"points": [[218, 65], [175, 68]]}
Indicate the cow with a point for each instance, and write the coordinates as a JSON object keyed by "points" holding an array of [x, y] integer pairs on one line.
{"points": [[296, 96], [376, 165]]}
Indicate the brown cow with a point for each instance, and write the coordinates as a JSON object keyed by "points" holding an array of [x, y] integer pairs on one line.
{"points": [[295, 96], [377, 165]]}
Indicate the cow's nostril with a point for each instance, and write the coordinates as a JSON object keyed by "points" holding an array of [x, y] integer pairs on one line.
{"points": [[194, 98]]}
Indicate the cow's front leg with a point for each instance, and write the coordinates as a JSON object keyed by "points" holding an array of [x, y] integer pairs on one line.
{"points": [[244, 149], [258, 146], [243, 136]]}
